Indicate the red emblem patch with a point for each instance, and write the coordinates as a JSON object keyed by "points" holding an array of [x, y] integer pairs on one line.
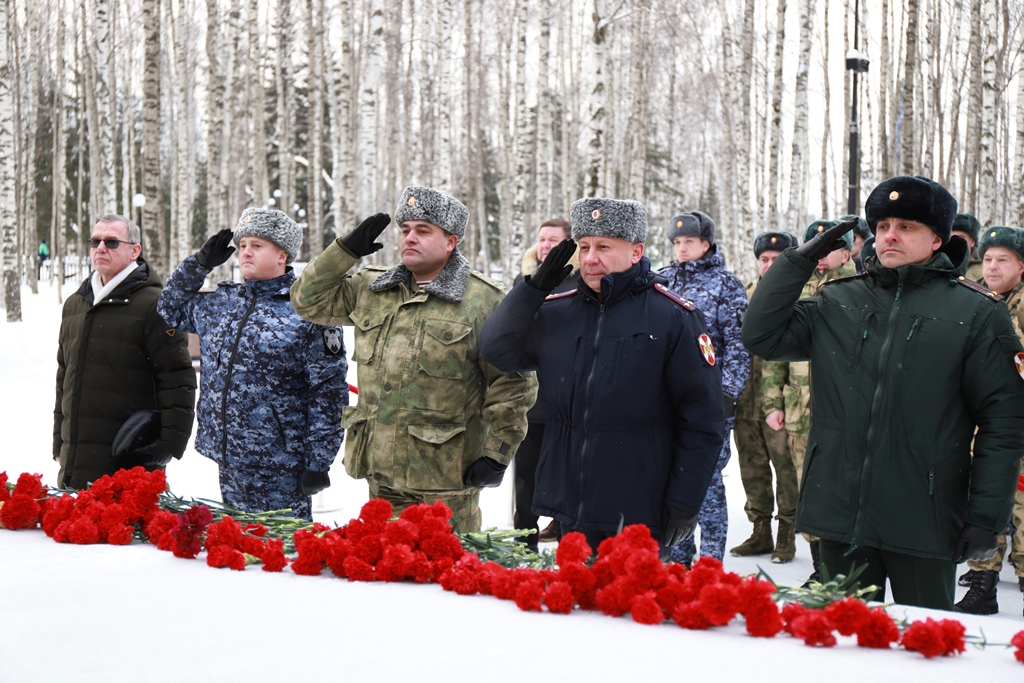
{"points": [[707, 349], [1018, 362]]}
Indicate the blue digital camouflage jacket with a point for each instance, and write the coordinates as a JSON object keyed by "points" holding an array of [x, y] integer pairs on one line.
{"points": [[272, 385]]}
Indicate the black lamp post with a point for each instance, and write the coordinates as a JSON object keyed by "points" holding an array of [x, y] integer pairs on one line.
{"points": [[856, 62]]}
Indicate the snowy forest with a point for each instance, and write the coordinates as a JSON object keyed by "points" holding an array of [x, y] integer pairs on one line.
{"points": [[181, 113]]}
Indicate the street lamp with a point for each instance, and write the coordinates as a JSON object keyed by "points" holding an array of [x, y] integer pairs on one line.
{"points": [[139, 201], [857, 62]]}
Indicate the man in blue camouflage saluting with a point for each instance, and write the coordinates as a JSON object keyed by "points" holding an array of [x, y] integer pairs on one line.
{"points": [[272, 384], [434, 421]]}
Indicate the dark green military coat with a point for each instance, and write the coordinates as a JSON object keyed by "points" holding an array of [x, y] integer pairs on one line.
{"points": [[429, 404], [906, 363], [114, 359]]}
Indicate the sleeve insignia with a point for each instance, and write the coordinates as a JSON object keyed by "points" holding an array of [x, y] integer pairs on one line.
{"points": [[560, 295], [333, 344], [707, 349]]}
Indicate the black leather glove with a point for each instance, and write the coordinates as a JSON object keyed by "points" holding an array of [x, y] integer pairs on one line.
{"points": [[824, 243], [729, 405], [553, 269], [150, 456], [975, 543], [217, 249], [678, 525], [311, 482], [361, 240], [484, 472]]}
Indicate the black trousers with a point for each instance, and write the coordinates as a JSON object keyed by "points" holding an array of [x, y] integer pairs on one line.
{"points": [[526, 459], [918, 581]]}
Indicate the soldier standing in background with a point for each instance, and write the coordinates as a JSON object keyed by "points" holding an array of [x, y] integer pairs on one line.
{"points": [[273, 384], [699, 274], [968, 227], [1002, 256], [762, 446], [434, 420]]}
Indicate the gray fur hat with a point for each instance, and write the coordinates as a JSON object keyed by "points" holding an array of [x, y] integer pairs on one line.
{"points": [[773, 241], [601, 217], [424, 204], [683, 225], [271, 225]]}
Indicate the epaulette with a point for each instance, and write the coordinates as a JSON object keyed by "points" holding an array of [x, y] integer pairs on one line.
{"points": [[685, 303], [845, 278], [483, 278], [984, 291], [560, 295], [371, 266]]}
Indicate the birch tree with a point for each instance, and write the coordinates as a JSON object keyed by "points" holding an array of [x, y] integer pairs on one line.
{"points": [[776, 122], [592, 134], [988, 208], [8, 226], [798, 162]]}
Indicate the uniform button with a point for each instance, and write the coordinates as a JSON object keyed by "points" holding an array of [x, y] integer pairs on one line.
{"points": [[366, 323], [437, 446], [447, 336], [387, 386]]}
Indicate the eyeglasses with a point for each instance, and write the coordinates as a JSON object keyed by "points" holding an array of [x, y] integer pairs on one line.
{"points": [[111, 243]]}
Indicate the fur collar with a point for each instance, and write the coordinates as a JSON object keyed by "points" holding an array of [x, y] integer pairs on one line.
{"points": [[450, 283]]}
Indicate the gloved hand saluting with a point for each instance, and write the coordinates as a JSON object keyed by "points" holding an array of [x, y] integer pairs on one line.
{"points": [[361, 240], [678, 525], [553, 269], [217, 249], [484, 472], [824, 243], [975, 543]]}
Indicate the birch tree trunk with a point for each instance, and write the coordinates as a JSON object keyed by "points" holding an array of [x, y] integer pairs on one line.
{"points": [[315, 185], [522, 139], [152, 212], [216, 209], [284, 132], [798, 163], [544, 148], [826, 139], [444, 96], [1019, 155], [883, 107], [637, 129], [368, 99], [8, 224], [972, 139], [257, 112], [106, 107], [58, 248], [592, 133], [341, 122], [988, 210], [776, 127], [181, 206], [746, 228]]}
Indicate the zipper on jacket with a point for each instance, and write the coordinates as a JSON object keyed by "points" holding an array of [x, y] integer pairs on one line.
{"points": [[931, 481], [586, 411], [874, 409], [227, 379], [913, 328]]}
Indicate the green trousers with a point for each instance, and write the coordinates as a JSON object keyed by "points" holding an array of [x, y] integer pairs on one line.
{"points": [[465, 506], [917, 581]]}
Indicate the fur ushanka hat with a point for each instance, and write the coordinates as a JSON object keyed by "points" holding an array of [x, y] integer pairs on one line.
{"points": [[773, 241], [601, 217], [912, 198], [692, 224], [1002, 236], [823, 225], [425, 204], [271, 225]]}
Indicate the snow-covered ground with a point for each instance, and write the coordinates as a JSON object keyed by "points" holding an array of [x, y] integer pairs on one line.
{"points": [[134, 613]]}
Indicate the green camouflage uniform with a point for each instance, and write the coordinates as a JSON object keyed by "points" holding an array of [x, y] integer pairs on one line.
{"points": [[760, 447], [429, 404], [1015, 302]]}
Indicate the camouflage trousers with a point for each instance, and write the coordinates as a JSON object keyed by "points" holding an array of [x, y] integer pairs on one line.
{"points": [[995, 563], [760, 448], [465, 506], [713, 517], [259, 490], [798, 447]]}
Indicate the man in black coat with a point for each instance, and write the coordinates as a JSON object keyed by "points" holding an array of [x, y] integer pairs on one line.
{"points": [[635, 416]]}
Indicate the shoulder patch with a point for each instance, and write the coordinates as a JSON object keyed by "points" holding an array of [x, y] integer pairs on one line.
{"points": [[561, 295], [333, 344], [493, 283], [382, 269], [685, 303], [980, 289]]}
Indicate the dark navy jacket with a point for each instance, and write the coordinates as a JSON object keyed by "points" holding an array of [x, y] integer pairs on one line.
{"points": [[635, 417], [272, 385]]}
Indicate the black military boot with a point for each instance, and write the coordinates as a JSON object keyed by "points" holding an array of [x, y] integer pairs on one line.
{"points": [[1020, 582], [760, 541], [816, 563], [966, 578], [981, 598]]}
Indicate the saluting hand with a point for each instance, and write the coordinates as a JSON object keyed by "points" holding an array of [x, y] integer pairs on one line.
{"points": [[553, 269], [824, 243], [217, 249], [361, 240]]}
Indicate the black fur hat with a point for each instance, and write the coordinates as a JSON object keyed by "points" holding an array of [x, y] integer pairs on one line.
{"points": [[773, 241], [1002, 236], [965, 222], [914, 199]]}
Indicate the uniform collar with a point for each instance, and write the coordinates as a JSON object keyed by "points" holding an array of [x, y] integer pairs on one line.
{"points": [[449, 285]]}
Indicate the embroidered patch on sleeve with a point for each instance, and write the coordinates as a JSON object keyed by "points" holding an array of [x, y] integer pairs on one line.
{"points": [[1018, 362], [707, 349], [333, 343]]}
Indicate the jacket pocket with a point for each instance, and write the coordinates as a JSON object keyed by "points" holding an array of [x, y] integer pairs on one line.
{"points": [[369, 323], [436, 455], [910, 340], [356, 425], [862, 337], [808, 461], [444, 349], [280, 428]]}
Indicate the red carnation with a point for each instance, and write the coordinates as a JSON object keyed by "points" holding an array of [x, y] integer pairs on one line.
{"points": [[4, 492], [615, 598], [56, 510], [790, 613], [689, 615], [304, 565], [355, 569], [226, 532], [671, 594], [82, 531], [763, 619], [877, 630], [369, 548], [120, 534], [558, 598], [646, 569], [933, 638], [225, 556], [572, 548], [376, 513], [31, 485], [1018, 642], [582, 581], [847, 615], [752, 593], [338, 548], [529, 594], [401, 531], [159, 524], [420, 571], [719, 603], [814, 628], [395, 563], [273, 556], [646, 610], [20, 511]]}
